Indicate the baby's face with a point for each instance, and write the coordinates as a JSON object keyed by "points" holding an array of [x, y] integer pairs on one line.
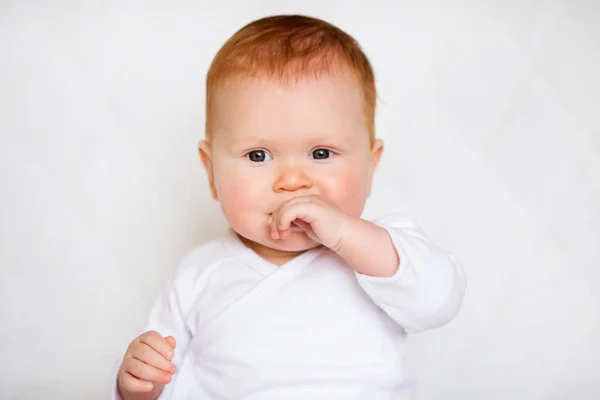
{"points": [[274, 142]]}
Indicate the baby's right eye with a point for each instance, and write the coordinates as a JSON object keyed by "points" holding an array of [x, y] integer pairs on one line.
{"points": [[258, 156]]}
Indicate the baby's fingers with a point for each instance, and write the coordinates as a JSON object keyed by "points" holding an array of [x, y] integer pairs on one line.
{"points": [[148, 355], [171, 341], [145, 372], [130, 383], [158, 343], [301, 210]]}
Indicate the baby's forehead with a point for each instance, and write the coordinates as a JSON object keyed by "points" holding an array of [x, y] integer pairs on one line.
{"points": [[290, 82], [327, 92], [328, 100]]}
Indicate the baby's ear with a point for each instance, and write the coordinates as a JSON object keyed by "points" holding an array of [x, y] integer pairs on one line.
{"points": [[376, 151], [205, 150]]}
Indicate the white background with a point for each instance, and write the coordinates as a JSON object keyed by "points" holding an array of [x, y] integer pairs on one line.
{"points": [[490, 114]]}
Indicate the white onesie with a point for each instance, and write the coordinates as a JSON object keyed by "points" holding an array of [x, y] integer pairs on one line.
{"points": [[312, 328]]}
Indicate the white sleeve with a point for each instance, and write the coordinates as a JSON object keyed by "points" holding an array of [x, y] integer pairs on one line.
{"points": [[427, 290], [168, 316]]}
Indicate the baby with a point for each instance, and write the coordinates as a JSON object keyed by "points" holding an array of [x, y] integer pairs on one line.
{"points": [[302, 299]]}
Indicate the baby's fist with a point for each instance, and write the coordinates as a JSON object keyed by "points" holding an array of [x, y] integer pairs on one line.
{"points": [[147, 362]]}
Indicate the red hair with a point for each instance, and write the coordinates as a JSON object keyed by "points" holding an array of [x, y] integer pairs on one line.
{"points": [[287, 48]]}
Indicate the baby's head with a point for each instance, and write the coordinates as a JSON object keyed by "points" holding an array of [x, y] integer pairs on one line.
{"points": [[290, 110]]}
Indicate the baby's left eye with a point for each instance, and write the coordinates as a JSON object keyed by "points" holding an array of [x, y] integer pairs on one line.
{"points": [[321, 154]]}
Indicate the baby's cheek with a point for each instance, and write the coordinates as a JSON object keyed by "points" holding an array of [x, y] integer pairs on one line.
{"points": [[238, 199], [248, 193], [348, 191], [355, 200]]}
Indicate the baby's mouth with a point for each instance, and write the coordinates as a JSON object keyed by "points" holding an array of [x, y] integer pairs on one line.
{"points": [[293, 227], [296, 228]]}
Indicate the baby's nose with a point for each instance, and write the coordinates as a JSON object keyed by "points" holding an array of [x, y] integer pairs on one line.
{"points": [[292, 179]]}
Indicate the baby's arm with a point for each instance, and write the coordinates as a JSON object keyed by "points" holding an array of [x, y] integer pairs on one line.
{"points": [[418, 284], [151, 359]]}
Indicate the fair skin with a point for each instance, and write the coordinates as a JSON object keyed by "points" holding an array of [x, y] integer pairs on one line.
{"points": [[292, 168], [146, 366]]}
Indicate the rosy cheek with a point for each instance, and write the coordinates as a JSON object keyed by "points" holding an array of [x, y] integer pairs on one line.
{"points": [[241, 189], [348, 190]]}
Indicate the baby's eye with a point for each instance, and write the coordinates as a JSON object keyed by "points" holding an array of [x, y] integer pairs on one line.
{"points": [[258, 156], [321, 154]]}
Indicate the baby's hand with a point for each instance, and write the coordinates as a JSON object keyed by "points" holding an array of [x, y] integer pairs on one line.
{"points": [[321, 220], [147, 363]]}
